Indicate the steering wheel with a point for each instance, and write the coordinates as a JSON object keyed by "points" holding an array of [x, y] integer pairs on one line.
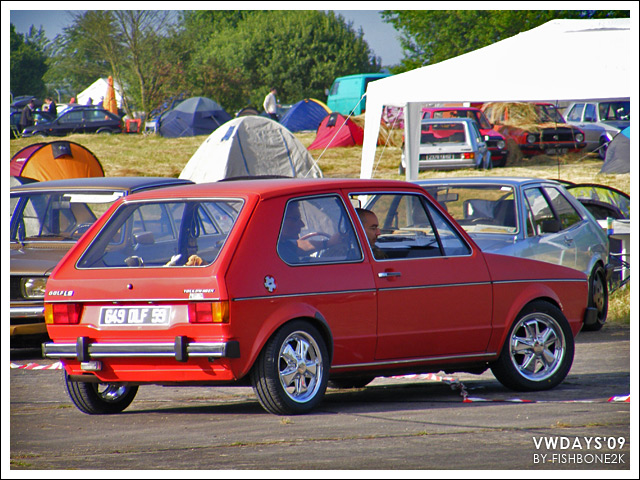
{"points": [[315, 234]]}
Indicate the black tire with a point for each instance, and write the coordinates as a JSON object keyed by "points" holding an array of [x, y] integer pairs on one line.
{"points": [[350, 382], [602, 148], [598, 298], [100, 398], [290, 375], [538, 351]]}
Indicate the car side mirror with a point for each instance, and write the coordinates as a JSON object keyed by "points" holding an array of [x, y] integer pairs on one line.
{"points": [[550, 226]]}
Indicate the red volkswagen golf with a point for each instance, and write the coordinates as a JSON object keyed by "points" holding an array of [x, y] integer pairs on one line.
{"points": [[285, 284]]}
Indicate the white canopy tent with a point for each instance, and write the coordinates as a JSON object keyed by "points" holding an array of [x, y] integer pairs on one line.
{"points": [[560, 60], [97, 92]]}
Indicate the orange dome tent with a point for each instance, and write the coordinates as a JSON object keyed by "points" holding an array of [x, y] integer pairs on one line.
{"points": [[55, 160]]}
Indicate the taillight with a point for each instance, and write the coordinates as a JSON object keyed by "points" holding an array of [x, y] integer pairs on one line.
{"points": [[209, 312], [62, 313], [468, 155]]}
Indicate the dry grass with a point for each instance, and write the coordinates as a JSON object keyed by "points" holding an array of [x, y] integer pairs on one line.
{"points": [[130, 155]]}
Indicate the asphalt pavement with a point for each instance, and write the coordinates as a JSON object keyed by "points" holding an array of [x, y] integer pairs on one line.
{"points": [[456, 422]]}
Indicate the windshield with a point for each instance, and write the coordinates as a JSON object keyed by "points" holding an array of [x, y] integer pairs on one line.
{"points": [[549, 113], [479, 208], [60, 216], [160, 234]]}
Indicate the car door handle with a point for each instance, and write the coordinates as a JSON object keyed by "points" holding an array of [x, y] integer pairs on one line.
{"points": [[389, 274]]}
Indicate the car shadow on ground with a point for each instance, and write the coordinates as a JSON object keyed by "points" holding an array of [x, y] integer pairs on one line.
{"points": [[409, 396]]}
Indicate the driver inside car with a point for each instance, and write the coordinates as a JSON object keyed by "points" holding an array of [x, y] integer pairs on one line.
{"points": [[294, 248]]}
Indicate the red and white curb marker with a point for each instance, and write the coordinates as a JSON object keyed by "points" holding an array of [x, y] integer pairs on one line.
{"points": [[36, 366], [456, 384]]}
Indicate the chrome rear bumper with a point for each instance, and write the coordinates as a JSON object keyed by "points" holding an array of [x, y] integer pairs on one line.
{"points": [[181, 349]]}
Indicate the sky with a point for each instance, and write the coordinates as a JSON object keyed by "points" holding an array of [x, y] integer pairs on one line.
{"points": [[381, 37]]}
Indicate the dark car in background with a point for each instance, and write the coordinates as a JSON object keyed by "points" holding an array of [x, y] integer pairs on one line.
{"points": [[39, 116], [79, 119], [47, 219]]}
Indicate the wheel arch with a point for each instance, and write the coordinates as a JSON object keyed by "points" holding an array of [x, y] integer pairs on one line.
{"points": [[537, 292], [283, 316]]}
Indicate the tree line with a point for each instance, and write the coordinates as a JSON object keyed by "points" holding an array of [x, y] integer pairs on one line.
{"points": [[236, 56]]}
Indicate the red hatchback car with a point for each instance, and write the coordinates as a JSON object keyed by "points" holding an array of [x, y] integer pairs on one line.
{"points": [[495, 141], [279, 284], [535, 127]]}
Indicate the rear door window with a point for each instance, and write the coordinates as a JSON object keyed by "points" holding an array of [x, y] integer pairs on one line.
{"points": [[317, 230]]}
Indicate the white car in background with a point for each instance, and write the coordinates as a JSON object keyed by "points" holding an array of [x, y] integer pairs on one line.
{"points": [[600, 121], [450, 143]]}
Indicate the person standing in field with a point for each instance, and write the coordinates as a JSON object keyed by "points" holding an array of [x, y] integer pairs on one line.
{"points": [[270, 104]]}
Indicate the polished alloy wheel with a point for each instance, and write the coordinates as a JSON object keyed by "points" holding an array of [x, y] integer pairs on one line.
{"points": [[537, 346], [300, 366]]}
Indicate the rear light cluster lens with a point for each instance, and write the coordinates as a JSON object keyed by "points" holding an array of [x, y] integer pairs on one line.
{"points": [[209, 312], [62, 313], [469, 155]]}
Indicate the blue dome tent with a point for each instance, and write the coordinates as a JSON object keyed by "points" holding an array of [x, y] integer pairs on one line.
{"points": [[194, 116], [305, 115]]}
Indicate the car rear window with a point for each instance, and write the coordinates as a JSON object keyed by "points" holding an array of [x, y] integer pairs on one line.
{"points": [[163, 234]]}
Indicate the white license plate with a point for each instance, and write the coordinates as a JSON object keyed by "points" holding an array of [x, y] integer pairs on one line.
{"points": [[135, 315], [441, 156], [560, 151]]}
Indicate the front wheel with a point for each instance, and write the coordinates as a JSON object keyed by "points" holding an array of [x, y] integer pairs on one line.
{"points": [[290, 375], [100, 398], [538, 352]]}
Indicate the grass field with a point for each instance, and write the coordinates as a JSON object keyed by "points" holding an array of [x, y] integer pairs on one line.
{"points": [[151, 155]]}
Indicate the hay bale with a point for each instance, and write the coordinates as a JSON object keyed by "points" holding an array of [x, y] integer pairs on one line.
{"points": [[516, 114], [386, 136]]}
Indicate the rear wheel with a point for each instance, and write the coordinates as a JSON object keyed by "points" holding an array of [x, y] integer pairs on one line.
{"points": [[538, 352], [598, 298], [100, 398], [290, 375]]}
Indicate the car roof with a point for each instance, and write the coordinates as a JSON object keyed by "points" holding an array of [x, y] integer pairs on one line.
{"points": [[447, 120], [269, 188], [433, 109], [515, 181], [131, 184]]}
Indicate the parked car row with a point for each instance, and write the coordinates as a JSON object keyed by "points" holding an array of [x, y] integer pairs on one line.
{"points": [[531, 128], [73, 119]]}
